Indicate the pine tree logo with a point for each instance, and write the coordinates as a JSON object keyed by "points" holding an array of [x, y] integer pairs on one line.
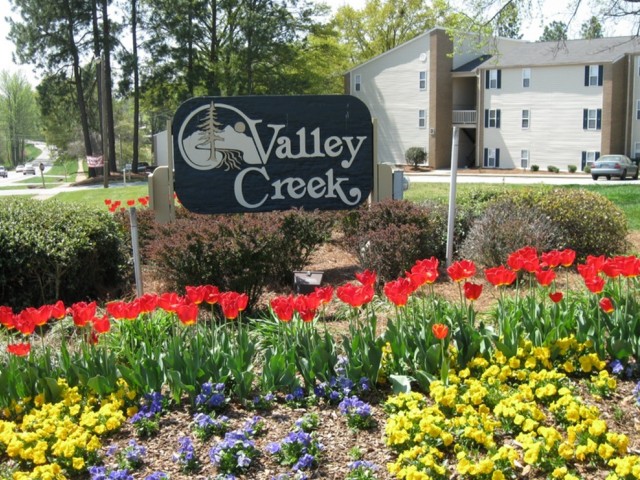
{"points": [[210, 134]]}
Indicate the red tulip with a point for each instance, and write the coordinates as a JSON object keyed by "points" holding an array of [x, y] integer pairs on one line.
{"points": [[107, 201], [283, 307], [472, 291], [567, 257], [187, 313], [101, 325], [427, 264], [306, 306], [211, 294], [595, 284], [148, 302], [596, 262], [58, 311], [19, 349], [550, 259], [462, 270], [367, 278], [37, 316], [555, 296], [353, 295], [83, 313], [195, 294], [169, 301], [525, 258], [232, 303], [324, 294], [545, 277], [611, 268], [606, 305], [131, 202], [440, 331], [629, 266], [6, 316], [398, 291], [24, 323], [500, 276]]}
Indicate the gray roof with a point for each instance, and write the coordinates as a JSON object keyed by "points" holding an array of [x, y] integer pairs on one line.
{"points": [[525, 54]]}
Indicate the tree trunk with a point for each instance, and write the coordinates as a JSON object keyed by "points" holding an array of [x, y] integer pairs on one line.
{"points": [[77, 79], [109, 165]]}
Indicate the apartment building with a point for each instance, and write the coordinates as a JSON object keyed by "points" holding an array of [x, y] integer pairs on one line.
{"points": [[516, 103]]}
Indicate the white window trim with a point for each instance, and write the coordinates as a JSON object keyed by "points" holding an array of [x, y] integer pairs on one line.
{"points": [[422, 119], [593, 119], [526, 77], [422, 80], [357, 83], [526, 119], [524, 158], [594, 78], [491, 158], [493, 78]]}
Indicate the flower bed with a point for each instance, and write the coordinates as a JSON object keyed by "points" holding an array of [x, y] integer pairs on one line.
{"points": [[510, 392]]}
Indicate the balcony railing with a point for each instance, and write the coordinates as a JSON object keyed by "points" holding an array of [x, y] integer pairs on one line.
{"points": [[464, 117]]}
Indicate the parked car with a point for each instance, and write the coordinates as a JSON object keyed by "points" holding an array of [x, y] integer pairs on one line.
{"points": [[614, 166], [19, 168], [29, 169], [3, 172]]}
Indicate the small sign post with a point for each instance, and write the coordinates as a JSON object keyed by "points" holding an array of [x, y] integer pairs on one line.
{"points": [[41, 166]]}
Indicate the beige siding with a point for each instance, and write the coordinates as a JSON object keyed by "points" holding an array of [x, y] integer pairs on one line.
{"points": [[390, 88], [555, 100], [633, 113]]}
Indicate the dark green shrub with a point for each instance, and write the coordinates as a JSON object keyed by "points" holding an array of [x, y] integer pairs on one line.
{"points": [[57, 251], [243, 253], [390, 236], [572, 168], [505, 227], [553, 169], [587, 169], [535, 168], [585, 221], [414, 156]]}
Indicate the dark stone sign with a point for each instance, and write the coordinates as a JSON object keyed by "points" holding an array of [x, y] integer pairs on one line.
{"points": [[256, 154]]}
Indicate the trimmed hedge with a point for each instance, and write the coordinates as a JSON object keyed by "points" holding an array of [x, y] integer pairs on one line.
{"points": [[58, 251], [581, 220], [243, 253]]}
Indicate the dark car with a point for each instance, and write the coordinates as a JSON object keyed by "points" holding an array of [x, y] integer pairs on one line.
{"points": [[3, 172], [614, 166]]}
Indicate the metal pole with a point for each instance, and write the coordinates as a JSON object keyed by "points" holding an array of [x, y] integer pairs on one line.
{"points": [[137, 270], [452, 195]]}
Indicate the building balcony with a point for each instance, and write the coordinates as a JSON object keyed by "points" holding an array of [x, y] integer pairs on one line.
{"points": [[464, 117]]}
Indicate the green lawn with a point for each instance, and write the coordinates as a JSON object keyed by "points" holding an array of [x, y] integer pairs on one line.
{"points": [[95, 197], [627, 197]]}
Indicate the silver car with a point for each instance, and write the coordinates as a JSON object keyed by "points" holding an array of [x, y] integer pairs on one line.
{"points": [[614, 166]]}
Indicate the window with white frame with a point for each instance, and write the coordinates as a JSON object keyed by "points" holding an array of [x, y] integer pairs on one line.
{"points": [[594, 75], [492, 118], [526, 77], [422, 118], [524, 158], [493, 79], [525, 118], [592, 118], [491, 157], [357, 83], [592, 157], [422, 81]]}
